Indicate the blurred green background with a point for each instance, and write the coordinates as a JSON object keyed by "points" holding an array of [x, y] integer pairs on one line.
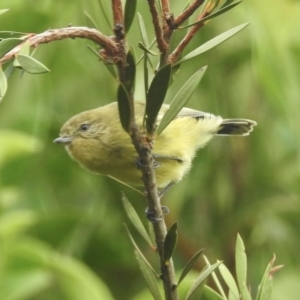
{"points": [[61, 227]]}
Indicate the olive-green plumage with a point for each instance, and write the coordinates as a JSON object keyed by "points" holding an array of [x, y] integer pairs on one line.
{"points": [[96, 140]]}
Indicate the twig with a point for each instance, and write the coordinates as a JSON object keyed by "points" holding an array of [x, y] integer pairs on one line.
{"points": [[162, 45], [187, 13], [119, 22], [185, 41], [94, 35], [165, 7]]}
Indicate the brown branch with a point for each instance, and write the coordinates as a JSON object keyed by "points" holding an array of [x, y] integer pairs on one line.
{"points": [[48, 36], [117, 11], [162, 45], [187, 13], [154, 205], [185, 41], [118, 19], [165, 7]]}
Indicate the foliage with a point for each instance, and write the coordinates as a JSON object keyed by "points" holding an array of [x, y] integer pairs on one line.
{"points": [[250, 186]]}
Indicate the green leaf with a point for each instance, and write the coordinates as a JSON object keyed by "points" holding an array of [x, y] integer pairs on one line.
{"points": [[210, 294], [141, 255], [8, 44], [110, 67], [124, 108], [197, 288], [149, 277], [229, 280], [130, 70], [266, 286], [227, 3], [241, 268], [213, 43], [189, 266], [213, 15], [130, 9], [104, 11], [156, 95], [144, 48], [3, 84], [170, 243], [24, 50], [143, 30], [216, 280], [90, 21], [2, 11], [31, 65], [181, 99], [9, 70], [135, 219]]}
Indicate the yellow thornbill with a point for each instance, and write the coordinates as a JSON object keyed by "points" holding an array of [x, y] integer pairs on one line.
{"points": [[96, 140]]}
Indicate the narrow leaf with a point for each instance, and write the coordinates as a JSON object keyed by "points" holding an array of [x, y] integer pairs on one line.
{"points": [[200, 281], [135, 219], [130, 9], [90, 21], [216, 280], [213, 15], [144, 48], [149, 277], [189, 266], [31, 65], [24, 50], [241, 268], [170, 242], [110, 67], [156, 95], [8, 44], [130, 70], [229, 280], [94, 51], [3, 84], [9, 70], [213, 43], [210, 294], [124, 108], [181, 99], [137, 249], [104, 11], [227, 2], [266, 286], [143, 30]]}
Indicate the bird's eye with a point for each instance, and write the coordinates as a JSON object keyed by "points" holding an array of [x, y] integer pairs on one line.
{"points": [[84, 127]]}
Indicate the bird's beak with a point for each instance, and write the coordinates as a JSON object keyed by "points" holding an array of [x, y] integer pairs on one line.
{"points": [[63, 140]]}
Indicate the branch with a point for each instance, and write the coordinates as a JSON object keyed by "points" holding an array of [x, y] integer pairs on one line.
{"points": [[187, 13], [118, 20], [162, 45], [165, 7], [154, 205], [185, 41], [117, 12], [48, 36]]}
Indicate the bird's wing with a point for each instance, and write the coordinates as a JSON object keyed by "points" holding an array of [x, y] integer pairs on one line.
{"points": [[185, 112]]}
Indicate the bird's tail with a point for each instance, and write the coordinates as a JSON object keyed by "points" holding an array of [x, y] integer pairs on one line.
{"points": [[236, 127]]}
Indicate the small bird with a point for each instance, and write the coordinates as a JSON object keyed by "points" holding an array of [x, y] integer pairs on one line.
{"points": [[97, 141]]}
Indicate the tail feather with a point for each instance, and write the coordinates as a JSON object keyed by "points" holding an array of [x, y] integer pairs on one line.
{"points": [[236, 127]]}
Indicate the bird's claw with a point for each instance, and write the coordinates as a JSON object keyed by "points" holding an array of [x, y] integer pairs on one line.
{"points": [[150, 213]]}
